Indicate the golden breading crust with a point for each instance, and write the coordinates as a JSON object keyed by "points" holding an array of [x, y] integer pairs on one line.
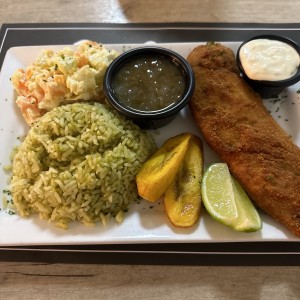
{"points": [[235, 123]]}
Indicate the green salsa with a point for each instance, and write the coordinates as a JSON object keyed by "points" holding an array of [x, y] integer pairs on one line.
{"points": [[149, 83]]}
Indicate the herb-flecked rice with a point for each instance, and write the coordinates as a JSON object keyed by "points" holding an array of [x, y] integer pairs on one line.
{"points": [[79, 162]]}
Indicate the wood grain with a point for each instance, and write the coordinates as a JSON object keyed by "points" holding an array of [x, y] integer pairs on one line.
{"points": [[123, 11], [62, 281], [67, 281]]}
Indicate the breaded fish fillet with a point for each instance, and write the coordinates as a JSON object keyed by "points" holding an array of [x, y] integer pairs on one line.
{"points": [[235, 123]]}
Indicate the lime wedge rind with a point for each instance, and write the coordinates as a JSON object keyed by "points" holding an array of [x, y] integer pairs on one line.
{"points": [[249, 219]]}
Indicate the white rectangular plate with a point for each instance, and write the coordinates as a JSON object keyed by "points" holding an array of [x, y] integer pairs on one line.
{"points": [[145, 222]]}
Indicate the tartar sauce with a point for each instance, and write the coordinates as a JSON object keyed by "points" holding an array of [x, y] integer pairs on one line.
{"points": [[271, 60]]}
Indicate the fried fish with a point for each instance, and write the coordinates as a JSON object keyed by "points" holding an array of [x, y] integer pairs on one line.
{"points": [[236, 124]]}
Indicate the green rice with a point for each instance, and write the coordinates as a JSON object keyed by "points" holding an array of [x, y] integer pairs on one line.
{"points": [[78, 163]]}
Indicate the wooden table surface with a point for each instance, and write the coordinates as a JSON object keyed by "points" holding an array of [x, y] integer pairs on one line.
{"points": [[68, 281]]}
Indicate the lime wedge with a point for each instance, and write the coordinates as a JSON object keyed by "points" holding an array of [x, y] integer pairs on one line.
{"points": [[226, 201]]}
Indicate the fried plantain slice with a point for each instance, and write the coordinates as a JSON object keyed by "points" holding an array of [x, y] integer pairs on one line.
{"points": [[183, 197], [160, 169]]}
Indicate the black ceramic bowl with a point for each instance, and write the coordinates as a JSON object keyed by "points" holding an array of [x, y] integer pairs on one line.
{"points": [[152, 118], [265, 88]]}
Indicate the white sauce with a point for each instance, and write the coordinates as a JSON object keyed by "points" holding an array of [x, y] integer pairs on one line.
{"points": [[271, 60]]}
